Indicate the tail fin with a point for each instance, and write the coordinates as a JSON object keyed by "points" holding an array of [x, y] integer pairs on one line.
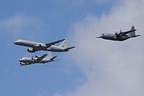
{"points": [[133, 28], [49, 55], [64, 44], [132, 33]]}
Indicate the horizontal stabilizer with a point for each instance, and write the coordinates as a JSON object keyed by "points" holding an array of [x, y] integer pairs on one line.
{"points": [[52, 59], [67, 49], [136, 35]]}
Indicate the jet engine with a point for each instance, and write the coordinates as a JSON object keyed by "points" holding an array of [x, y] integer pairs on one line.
{"points": [[31, 50]]}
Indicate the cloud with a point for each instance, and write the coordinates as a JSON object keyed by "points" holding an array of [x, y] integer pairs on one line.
{"points": [[104, 1], [20, 25], [111, 68], [72, 2], [15, 23], [83, 2]]}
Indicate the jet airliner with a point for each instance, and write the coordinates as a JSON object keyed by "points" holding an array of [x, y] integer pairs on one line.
{"points": [[36, 46]]}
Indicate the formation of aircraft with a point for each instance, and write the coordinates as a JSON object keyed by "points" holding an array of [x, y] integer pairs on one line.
{"points": [[36, 46], [121, 36], [37, 59]]}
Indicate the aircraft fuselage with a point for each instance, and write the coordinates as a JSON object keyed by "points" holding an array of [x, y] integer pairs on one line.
{"points": [[39, 46], [29, 43], [54, 48], [28, 61], [121, 36], [114, 37]]}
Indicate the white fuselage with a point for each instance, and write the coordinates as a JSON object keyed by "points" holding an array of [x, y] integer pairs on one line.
{"points": [[30, 44], [39, 46], [28, 61], [54, 48]]}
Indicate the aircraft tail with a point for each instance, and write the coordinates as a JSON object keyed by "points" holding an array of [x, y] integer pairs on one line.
{"points": [[51, 57], [132, 33], [133, 28], [64, 44]]}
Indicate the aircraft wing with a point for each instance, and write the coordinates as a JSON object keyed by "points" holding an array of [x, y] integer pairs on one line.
{"points": [[52, 43], [40, 58]]}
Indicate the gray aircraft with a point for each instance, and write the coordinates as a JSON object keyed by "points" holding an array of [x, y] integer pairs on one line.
{"points": [[37, 59], [121, 36], [36, 46]]}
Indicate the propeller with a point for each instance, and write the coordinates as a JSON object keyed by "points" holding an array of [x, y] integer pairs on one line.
{"points": [[120, 30], [116, 33], [32, 58], [37, 56]]}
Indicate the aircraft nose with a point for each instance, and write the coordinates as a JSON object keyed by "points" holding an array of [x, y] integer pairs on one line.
{"points": [[18, 41], [20, 59], [15, 42], [99, 37]]}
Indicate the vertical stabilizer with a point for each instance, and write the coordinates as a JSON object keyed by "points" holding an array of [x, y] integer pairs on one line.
{"points": [[64, 44], [133, 28], [132, 33], [49, 56]]}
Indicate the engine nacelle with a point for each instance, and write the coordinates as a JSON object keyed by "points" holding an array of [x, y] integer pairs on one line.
{"points": [[31, 50], [118, 34]]}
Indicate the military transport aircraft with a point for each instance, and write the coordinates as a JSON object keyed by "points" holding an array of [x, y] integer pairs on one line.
{"points": [[37, 59], [36, 46], [121, 36]]}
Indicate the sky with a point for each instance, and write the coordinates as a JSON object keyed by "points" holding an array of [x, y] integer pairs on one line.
{"points": [[96, 67]]}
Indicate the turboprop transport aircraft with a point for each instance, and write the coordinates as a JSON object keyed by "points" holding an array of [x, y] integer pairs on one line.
{"points": [[121, 36], [37, 59], [36, 46]]}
